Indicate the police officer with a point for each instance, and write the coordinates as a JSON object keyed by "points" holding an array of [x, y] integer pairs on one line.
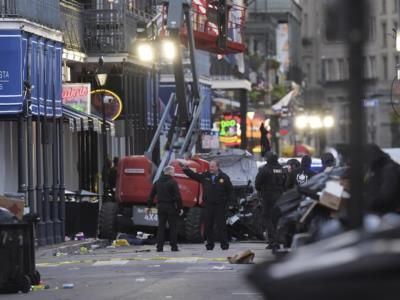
{"points": [[301, 175], [218, 191], [169, 205], [270, 181]]}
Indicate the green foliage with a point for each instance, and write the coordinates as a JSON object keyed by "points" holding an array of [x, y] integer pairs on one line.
{"points": [[255, 62], [277, 93], [273, 64]]}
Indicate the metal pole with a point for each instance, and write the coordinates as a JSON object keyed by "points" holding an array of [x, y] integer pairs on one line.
{"points": [[45, 142], [188, 19], [62, 185], [104, 137], [193, 124], [156, 151], [27, 88], [21, 155], [56, 220], [243, 115], [357, 10], [41, 230], [160, 126], [126, 108]]}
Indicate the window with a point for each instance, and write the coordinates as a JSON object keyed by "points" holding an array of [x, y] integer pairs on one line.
{"points": [[372, 28], [342, 69], [383, 7], [395, 5], [255, 46], [397, 59], [372, 70], [309, 74], [305, 25], [384, 35], [385, 67], [329, 73]]}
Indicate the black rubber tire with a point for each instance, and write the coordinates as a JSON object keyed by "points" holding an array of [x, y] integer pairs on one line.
{"points": [[194, 225], [35, 278], [108, 221], [24, 284]]}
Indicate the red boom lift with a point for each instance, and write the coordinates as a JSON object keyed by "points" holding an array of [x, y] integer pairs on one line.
{"points": [[214, 26]]}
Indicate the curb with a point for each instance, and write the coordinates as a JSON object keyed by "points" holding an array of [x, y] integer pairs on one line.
{"points": [[69, 248]]}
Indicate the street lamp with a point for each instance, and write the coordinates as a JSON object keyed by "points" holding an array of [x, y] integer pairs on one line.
{"points": [[101, 79], [316, 123], [328, 121], [169, 50], [146, 50]]}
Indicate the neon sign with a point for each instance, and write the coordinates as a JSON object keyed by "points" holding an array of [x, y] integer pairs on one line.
{"points": [[229, 130]]}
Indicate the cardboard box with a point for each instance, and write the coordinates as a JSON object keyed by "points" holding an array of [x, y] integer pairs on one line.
{"points": [[14, 205], [332, 195]]}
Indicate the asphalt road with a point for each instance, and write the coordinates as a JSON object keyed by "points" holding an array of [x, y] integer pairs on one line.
{"points": [[129, 273]]}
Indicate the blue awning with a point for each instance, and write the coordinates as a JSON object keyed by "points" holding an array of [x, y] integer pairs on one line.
{"points": [[35, 60]]}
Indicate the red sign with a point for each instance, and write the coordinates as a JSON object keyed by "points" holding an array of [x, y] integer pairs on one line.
{"points": [[77, 96]]}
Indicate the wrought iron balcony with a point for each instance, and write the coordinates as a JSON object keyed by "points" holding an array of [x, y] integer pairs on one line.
{"points": [[44, 12], [72, 24], [111, 26]]}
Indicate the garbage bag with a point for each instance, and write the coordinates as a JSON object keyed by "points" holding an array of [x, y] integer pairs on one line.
{"points": [[317, 183], [6, 217], [288, 202]]}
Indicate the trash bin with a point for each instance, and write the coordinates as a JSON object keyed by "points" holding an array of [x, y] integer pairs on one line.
{"points": [[81, 213], [17, 258]]}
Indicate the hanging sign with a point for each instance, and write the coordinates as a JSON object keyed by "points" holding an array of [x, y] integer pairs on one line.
{"points": [[77, 96], [112, 104]]}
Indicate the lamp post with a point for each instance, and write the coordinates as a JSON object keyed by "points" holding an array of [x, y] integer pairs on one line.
{"points": [[154, 52], [101, 79], [316, 123]]}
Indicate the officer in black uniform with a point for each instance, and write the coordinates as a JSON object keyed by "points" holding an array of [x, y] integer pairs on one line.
{"points": [[301, 175], [270, 181], [169, 205], [218, 191]]}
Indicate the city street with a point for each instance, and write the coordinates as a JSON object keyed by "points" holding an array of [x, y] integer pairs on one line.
{"points": [[133, 272]]}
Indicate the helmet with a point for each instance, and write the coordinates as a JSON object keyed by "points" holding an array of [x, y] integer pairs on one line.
{"points": [[271, 157], [328, 160]]}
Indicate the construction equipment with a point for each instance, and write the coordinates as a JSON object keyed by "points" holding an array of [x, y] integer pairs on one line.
{"points": [[184, 22]]}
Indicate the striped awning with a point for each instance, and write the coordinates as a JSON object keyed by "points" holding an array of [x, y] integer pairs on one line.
{"points": [[80, 121]]}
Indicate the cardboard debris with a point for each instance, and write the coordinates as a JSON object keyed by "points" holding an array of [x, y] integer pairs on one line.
{"points": [[14, 205], [332, 195], [245, 257]]}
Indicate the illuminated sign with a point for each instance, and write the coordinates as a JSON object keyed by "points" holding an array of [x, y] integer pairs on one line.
{"points": [[77, 96], [229, 130], [112, 104]]}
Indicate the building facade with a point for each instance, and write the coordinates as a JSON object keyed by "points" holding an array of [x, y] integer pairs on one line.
{"points": [[49, 50], [325, 66]]}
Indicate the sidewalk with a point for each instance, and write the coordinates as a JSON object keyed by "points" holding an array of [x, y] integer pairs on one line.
{"points": [[70, 247]]}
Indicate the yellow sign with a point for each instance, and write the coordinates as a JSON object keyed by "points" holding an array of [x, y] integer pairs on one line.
{"points": [[112, 103]]}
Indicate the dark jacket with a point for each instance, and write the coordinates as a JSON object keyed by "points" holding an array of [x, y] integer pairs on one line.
{"points": [[219, 191], [265, 145], [167, 191], [271, 178], [301, 175], [382, 186]]}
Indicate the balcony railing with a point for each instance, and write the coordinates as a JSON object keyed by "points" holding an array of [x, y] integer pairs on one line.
{"points": [[44, 12], [72, 24], [111, 28]]}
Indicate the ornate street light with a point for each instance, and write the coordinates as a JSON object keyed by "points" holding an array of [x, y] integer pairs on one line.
{"points": [[101, 79]]}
